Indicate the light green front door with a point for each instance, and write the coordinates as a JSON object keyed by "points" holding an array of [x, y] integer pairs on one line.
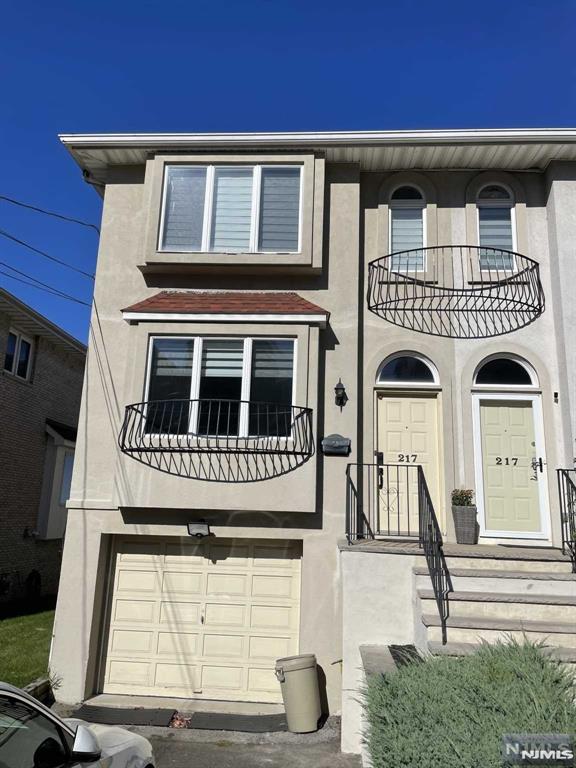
{"points": [[510, 467]]}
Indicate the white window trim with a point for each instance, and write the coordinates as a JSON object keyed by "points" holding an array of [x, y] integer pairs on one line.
{"points": [[197, 372], [540, 448], [205, 246], [435, 384], [511, 204], [19, 338], [194, 317]]}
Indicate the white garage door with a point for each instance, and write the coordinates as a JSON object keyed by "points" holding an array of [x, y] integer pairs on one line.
{"points": [[202, 619]]}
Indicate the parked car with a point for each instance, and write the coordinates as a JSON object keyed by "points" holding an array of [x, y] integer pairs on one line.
{"points": [[32, 736]]}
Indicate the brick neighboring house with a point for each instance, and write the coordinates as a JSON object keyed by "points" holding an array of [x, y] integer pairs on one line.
{"points": [[41, 372]]}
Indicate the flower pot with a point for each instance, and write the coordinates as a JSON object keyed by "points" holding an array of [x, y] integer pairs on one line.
{"points": [[465, 524]]}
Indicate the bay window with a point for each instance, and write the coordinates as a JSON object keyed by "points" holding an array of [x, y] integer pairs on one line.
{"points": [[240, 387], [231, 209]]}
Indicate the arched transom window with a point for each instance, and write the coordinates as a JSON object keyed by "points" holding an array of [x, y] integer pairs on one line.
{"points": [[505, 372], [496, 227], [407, 370], [407, 228]]}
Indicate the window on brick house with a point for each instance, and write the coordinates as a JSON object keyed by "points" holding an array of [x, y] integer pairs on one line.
{"points": [[18, 357]]}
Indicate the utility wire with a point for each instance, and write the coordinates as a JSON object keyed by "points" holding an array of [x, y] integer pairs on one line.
{"points": [[34, 283], [50, 213], [3, 233]]}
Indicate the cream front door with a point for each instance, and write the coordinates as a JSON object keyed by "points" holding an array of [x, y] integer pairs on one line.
{"points": [[407, 436], [512, 496], [202, 619]]}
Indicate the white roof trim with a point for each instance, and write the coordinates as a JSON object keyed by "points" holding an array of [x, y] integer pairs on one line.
{"points": [[320, 138], [220, 317]]}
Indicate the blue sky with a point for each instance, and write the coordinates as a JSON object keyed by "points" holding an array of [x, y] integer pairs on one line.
{"points": [[171, 65]]}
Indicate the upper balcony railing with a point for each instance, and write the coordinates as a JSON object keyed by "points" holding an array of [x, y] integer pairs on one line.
{"points": [[456, 291], [218, 440]]}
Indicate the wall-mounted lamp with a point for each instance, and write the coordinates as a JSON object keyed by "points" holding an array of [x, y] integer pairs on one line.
{"points": [[341, 397]]}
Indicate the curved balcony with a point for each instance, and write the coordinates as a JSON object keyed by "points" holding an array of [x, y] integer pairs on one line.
{"points": [[456, 291], [234, 441]]}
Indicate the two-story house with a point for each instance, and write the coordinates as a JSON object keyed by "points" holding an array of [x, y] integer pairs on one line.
{"points": [[41, 372], [256, 293]]}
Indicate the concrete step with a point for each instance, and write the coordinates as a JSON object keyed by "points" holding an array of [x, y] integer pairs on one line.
{"points": [[527, 607], [517, 582], [473, 630], [552, 565], [567, 655]]}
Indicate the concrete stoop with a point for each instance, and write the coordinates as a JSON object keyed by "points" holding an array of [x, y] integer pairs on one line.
{"points": [[531, 596]]}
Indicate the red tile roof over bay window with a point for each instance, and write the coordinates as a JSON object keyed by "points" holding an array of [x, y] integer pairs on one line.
{"points": [[226, 303]]}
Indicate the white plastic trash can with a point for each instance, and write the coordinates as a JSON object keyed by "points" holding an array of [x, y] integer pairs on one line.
{"points": [[298, 678]]}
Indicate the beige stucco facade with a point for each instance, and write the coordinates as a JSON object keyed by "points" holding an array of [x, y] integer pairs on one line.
{"points": [[345, 215]]}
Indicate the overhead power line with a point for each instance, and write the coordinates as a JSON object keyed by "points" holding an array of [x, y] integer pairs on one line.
{"points": [[34, 283], [3, 233], [50, 213]]}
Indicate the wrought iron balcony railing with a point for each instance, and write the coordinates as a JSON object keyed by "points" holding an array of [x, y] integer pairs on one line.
{"points": [[457, 291], [393, 500], [567, 493], [218, 440]]}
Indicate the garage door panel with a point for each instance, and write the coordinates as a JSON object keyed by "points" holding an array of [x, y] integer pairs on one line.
{"points": [[204, 619], [132, 641], [174, 613], [222, 646], [178, 644], [225, 677], [269, 647], [137, 580], [182, 582], [233, 584], [270, 616], [272, 586], [129, 672], [225, 614], [129, 611], [177, 676]]}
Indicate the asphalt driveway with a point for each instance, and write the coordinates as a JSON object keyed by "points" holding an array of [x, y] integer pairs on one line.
{"points": [[174, 753]]}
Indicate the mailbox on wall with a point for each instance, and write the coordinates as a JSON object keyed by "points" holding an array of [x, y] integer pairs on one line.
{"points": [[336, 445]]}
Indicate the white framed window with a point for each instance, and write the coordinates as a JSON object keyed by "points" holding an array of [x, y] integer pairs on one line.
{"points": [[496, 227], [407, 229], [220, 386], [18, 357], [231, 209]]}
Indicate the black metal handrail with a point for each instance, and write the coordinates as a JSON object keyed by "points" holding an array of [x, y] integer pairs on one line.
{"points": [[235, 437], [393, 501], [567, 495], [430, 539], [456, 291]]}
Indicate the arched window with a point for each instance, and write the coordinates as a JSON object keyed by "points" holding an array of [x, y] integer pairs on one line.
{"points": [[496, 227], [505, 372], [407, 228], [405, 369]]}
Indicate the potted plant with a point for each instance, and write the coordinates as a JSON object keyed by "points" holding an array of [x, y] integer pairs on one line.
{"points": [[464, 514]]}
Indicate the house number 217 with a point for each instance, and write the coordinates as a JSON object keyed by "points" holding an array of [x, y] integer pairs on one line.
{"points": [[508, 461], [410, 458]]}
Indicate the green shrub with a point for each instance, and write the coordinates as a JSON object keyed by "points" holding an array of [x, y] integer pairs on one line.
{"points": [[453, 712], [462, 497]]}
